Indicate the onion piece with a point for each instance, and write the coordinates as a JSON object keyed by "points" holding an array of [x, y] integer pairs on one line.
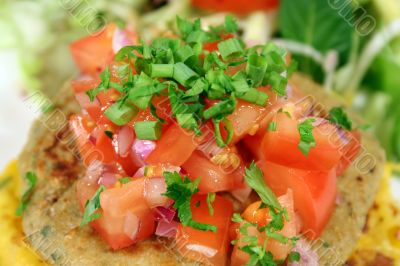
{"points": [[120, 39], [108, 179], [153, 188], [166, 214], [167, 229], [131, 225], [308, 257], [125, 140], [93, 172], [241, 194], [141, 149], [206, 251]]}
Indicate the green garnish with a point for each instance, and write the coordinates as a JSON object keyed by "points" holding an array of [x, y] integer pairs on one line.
{"points": [[125, 180], [210, 200], [148, 130], [187, 75], [121, 113], [181, 191], [109, 134], [294, 256], [340, 118], [31, 178], [307, 140], [255, 179], [272, 126], [92, 207]]}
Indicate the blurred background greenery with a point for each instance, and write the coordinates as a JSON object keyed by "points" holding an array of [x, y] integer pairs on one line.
{"points": [[351, 47]]}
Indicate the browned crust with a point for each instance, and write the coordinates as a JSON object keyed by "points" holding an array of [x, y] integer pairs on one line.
{"points": [[51, 221]]}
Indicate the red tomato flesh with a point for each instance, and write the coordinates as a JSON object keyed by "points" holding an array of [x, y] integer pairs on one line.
{"points": [[236, 6], [213, 178], [314, 193], [208, 247]]}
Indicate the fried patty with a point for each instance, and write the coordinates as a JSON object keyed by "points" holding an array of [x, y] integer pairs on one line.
{"points": [[51, 220]]}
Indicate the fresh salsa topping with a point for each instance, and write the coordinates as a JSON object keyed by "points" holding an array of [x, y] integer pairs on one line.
{"points": [[31, 178], [196, 136]]}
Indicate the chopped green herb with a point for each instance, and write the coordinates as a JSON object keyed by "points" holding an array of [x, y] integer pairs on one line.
{"points": [[121, 113], [340, 118], [125, 180], [228, 126], [255, 179], [92, 207], [31, 178], [104, 85], [230, 48], [307, 140], [272, 126], [230, 24], [181, 191], [148, 130], [109, 134], [294, 256], [210, 200]]}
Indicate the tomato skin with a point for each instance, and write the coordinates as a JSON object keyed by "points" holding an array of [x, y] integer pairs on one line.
{"points": [[236, 6], [217, 243], [214, 178], [175, 147], [116, 203], [94, 52], [314, 193], [281, 146]]}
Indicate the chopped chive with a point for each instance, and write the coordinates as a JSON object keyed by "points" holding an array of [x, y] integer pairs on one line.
{"points": [[228, 126], [272, 126], [255, 96], [189, 122], [148, 130], [92, 208], [162, 70], [225, 107], [184, 74], [125, 180], [230, 48], [121, 114], [199, 86], [256, 68]]}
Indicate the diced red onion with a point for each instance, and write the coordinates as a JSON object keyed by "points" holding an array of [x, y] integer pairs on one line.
{"points": [[206, 251], [308, 257], [342, 135], [141, 150], [241, 194], [120, 39], [140, 172], [153, 189], [108, 179], [167, 229], [125, 140], [93, 172], [131, 225], [164, 213]]}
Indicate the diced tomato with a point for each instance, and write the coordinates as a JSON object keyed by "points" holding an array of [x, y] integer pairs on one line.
{"points": [[281, 146], [314, 193], [236, 6], [261, 217], [213, 177], [85, 84], [207, 247], [213, 46], [94, 52], [350, 151], [126, 218], [175, 147]]}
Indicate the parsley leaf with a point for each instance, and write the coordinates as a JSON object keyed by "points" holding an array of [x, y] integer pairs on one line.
{"points": [[307, 140], [31, 178], [255, 179], [294, 256], [181, 191], [272, 126], [92, 207], [104, 84], [340, 118]]}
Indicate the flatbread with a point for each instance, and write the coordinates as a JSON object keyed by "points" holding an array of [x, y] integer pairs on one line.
{"points": [[51, 220]]}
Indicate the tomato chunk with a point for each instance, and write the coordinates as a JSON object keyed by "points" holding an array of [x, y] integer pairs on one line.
{"points": [[207, 247], [281, 146], [350, 151], [175, 147], [236, 6], [314, 193], [126, 217], [214, 178], [261, 217]]}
